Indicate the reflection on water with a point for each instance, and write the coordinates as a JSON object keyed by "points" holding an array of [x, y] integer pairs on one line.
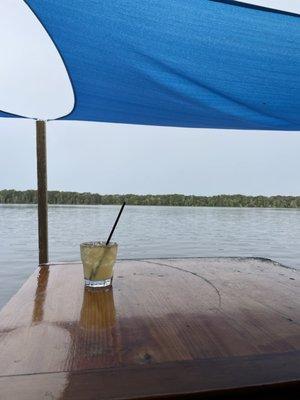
{"points": [[145, 232]]}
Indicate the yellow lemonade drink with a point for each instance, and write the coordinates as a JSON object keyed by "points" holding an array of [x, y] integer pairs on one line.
{"points": [[98, 260]]}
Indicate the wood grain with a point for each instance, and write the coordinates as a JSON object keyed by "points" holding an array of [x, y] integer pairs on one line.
{"points": [[167, 327]]}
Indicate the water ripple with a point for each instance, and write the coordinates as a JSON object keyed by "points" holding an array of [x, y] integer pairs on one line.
{"points": [[145, 232]]}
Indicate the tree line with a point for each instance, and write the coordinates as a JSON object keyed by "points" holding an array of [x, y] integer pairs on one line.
{"points": [[236, 200]]}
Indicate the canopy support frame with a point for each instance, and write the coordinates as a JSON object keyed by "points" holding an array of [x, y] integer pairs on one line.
{"points": [[42, 193]]}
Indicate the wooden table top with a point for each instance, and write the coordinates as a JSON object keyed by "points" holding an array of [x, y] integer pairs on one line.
{"points": [[168, 327]]}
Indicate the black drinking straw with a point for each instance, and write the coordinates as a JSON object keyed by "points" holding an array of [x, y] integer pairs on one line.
{"points": [[115, 224]]}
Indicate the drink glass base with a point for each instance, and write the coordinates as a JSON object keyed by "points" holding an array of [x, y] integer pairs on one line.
{"points": [[98, 284]]}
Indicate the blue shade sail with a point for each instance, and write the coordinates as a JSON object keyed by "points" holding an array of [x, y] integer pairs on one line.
{"points": [[193, 63]]}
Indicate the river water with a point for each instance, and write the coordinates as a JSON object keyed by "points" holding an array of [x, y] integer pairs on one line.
{"points": [[145, 232]]}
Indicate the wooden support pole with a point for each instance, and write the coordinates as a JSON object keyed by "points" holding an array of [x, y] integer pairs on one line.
{"points": [[41, 153]]}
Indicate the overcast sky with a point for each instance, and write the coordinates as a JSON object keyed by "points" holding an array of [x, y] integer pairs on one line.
{"points": [[111, 158]]}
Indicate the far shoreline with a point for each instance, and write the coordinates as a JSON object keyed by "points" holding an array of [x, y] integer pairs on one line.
{"points": [[11, 196]]}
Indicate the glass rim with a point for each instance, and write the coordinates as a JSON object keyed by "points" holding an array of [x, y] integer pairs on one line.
{"points": [[98, 244]]}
